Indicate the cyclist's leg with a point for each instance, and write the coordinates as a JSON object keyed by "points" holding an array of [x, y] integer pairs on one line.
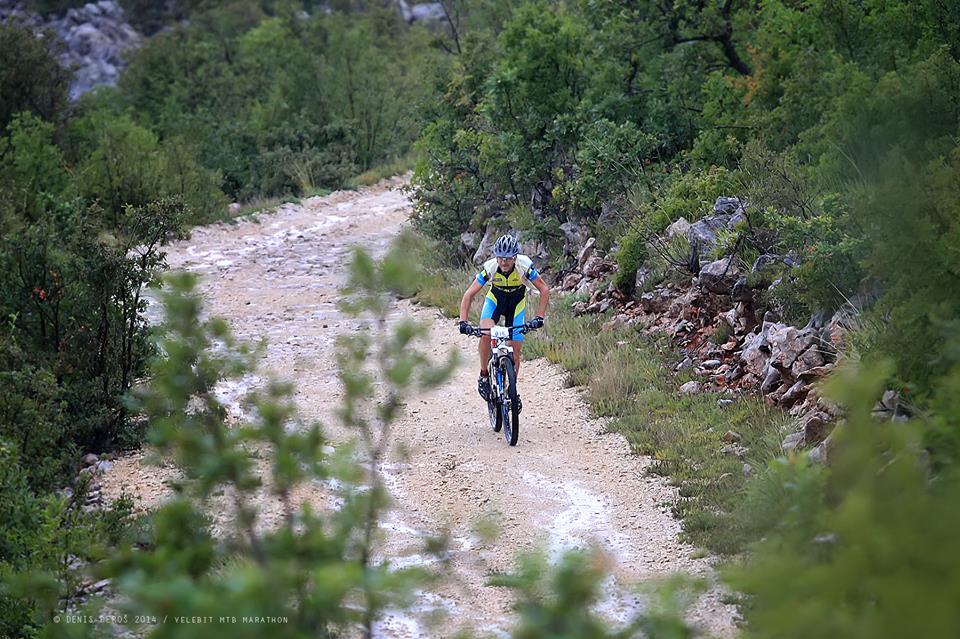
{"points": [[486, 321], [519, 313]]}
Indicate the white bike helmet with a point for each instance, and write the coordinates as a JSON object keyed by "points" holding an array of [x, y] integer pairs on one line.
{"points": [[506, 246]]}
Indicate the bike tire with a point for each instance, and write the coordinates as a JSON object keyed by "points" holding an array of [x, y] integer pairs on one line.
{"points": [[511, 416], [496, 418]]}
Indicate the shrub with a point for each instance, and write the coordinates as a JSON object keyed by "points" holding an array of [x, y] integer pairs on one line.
{"points": [[630, 257], [868, 547], [691, 195]]}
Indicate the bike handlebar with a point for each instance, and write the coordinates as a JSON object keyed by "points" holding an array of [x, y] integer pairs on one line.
{"points": [[523, 328]]}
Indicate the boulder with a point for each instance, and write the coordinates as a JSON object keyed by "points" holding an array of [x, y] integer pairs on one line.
{"points": [[734, 450], [816, 426], [570, 281], [593, 267], [741, 292], [536, 251], [791, 442], [816, 372], [470, 241], [680, 228], [703, 233], [586, 286], [771, 380], [586, 252], [686, 305], [574, 235], [731, 437], [764, 262], [643, 274], [808, 360], [794, 394], [719, 276], [655, 301], [727, 206], [427, 12], [737, 221], [690, 388], [754, 355], [482, 253], [787, 343]]}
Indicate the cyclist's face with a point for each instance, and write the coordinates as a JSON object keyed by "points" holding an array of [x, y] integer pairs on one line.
{"points": [[506, 263]]}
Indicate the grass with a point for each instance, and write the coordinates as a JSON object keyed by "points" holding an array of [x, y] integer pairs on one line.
{"points": [[442, 285], [628, 379], [382, 171], [271, 204]]}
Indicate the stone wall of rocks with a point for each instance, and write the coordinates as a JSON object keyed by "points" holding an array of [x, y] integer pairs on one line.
{"points": [[96, 36], [721, 331]]}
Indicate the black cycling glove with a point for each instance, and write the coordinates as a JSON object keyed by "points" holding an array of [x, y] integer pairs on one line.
{"points": [[536, 322], [465, 328]]}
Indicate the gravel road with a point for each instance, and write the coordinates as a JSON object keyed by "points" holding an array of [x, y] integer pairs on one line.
{"points": [[566, 484]]}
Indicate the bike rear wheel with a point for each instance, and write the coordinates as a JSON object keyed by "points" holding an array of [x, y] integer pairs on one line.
{"points": [[510, 416]]}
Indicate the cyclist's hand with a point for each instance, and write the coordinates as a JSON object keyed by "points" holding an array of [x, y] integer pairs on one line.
{"points": [[465, 328], [536, 322]]}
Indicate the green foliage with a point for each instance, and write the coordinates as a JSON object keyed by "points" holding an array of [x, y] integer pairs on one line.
{"points": [[121, 164], [31, 78], [871, 556], [556, 601], [32, 170], [610, 157], [283, 104], [40, 537], [630, 257], [690, 195], [76, 338]]}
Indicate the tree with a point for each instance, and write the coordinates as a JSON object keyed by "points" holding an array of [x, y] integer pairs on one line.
{"points": [[31, 78]]}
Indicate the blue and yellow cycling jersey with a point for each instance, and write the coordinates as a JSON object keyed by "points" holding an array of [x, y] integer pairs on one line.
{"points": [[507, 295], [513, 282]]}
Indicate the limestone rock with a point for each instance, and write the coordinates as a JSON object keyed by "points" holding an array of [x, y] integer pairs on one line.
{"points": [[586, 252], [570, 281], [791, 442], [703, 234], [680, 228], [482, 253], [691, 388], [727, 206], [719, 276]]}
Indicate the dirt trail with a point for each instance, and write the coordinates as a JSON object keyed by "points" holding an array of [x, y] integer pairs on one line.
{"points": [[566, 484]]}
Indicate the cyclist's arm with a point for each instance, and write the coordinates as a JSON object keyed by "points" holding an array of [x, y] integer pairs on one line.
{"points": [[467, 300], [544, 296]]}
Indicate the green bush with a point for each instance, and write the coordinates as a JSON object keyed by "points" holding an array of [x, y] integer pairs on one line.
{"points": [[630, 257], [610, 157], [33, 174], [868, 546], [691, 195]]}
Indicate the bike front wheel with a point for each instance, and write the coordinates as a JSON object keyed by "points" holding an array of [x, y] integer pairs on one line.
{"points": [[496, 417]]}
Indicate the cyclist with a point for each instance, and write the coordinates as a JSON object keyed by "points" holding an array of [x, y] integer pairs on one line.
{"points": [[508, 274]]}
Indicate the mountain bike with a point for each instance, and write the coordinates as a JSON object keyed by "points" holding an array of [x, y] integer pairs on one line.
{"points": [[502, 404]]}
